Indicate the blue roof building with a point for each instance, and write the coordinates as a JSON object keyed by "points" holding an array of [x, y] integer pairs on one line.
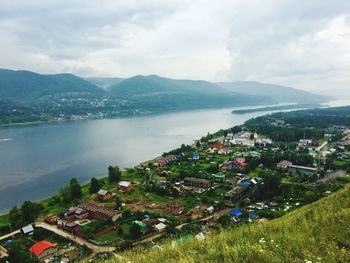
{"points": [[253, 215], [244, 183], [236, 212]]}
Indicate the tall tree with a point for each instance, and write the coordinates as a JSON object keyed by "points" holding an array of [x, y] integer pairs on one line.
{"points": [[135, 231], [75, 189], [114, 174], [118, 203], [15, 217], [94, 185], [30, 211]]}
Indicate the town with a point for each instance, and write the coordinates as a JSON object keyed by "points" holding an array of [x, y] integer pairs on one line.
{"points": [[248, 174]]}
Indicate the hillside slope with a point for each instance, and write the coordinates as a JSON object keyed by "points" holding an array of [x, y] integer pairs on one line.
{"points": [[104, 83], [152, 92], [27, 86], [277, 92], [318, 232]]}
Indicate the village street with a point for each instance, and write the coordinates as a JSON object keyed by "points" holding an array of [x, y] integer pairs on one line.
{"points": [[9, 235], [95, 249]]}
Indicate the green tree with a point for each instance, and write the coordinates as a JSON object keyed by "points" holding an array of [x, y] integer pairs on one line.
{"points": [[135, 231], [65, 194], [269, 187], [118, 203], [75, 189], [114, 174], [171, 229], [30, 211], [15, 217], [94, 185]]}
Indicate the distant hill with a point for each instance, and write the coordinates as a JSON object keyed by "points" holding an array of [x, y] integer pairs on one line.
{"points": [[277, 92], [26, 86], [29, 95], [154, 91], [104, 83], [314, 233]]}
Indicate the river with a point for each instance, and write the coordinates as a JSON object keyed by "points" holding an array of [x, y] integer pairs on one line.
{"points": [[35, 161]]}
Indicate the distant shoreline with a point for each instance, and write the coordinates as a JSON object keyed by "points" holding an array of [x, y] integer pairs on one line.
{"points": [[281, 107]]}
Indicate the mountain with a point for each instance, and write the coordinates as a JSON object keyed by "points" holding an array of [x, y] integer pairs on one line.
{"points": [[154, 91], [27, 86], [279, 93], [104, 83], [317, 232]]}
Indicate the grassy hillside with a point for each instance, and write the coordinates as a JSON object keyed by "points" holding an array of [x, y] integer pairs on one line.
{"points": [[277, 92], [315, 233]]}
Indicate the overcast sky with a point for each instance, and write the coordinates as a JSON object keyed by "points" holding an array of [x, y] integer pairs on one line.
{"points": [[300, 43]]}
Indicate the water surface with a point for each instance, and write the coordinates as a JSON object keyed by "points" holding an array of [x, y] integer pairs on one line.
{"points": [[35, 161]]}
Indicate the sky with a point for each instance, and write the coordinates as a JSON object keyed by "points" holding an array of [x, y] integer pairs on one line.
{"points": [[298, 43]]}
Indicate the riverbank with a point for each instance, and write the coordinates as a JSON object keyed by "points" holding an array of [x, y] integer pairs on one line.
{"points": [[274, 108]]}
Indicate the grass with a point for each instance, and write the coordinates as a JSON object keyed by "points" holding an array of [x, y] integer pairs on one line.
{"points": [[110, 236], [318, 232], [4, 220]]}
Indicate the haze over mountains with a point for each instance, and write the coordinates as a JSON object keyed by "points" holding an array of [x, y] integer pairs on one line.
{"points": [[60, 95]]}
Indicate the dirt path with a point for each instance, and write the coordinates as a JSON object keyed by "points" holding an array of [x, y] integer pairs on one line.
{"points": [[96, 249]]}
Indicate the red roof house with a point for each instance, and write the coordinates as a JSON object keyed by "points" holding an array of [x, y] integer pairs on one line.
{"points": [[43, 249], [241, 162]]}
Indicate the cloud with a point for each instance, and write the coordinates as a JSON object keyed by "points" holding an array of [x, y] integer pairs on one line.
{"points": [[304, 44]]}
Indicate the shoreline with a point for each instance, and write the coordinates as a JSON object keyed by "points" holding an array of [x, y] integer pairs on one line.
{"points": [[5, 213], [131, 115]]}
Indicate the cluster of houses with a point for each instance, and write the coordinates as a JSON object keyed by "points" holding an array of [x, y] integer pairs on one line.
{"points": [[148, 224], [72, 220]]}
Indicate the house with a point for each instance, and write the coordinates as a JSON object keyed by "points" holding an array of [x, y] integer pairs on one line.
{"points": [[214, 147], [235, 212], [197, 182], [226, 165], [283, 165], [302, 170], [71, 227], [27, 230], [304, 142], [163, 160], [224, 151], [162, 220], [3, 252], [142, 225], [97, 211], [174, 208], [242, 142], [209, 210], [240, 162], [236, 193], [160, 227], [125, 186], [104, 195], [195, 156], [43, 250], [220, 177], [76, 213]]}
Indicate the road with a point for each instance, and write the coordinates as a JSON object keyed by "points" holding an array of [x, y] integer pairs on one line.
{"points": [[95, 249], [9, 235]]}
